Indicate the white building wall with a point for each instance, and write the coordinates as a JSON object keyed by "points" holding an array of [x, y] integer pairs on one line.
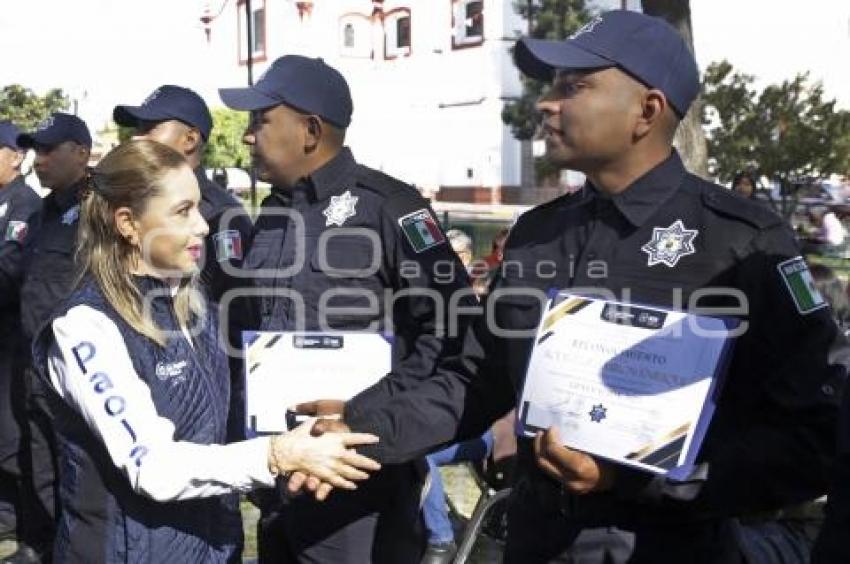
{"points": [[432, 118]]}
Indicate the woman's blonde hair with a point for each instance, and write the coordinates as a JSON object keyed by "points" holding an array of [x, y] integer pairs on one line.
{"points": [[129, 176]]}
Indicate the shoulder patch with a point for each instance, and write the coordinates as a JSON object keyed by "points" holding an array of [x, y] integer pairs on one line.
{"points": [[16, 231], [422, 230], [801, 285], [228, 245], [726, 203]]}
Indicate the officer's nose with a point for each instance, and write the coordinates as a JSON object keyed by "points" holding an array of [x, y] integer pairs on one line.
{"points": [[248, 137], [547, 107]]}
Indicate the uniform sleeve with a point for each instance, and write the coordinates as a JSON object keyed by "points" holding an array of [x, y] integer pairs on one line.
{"points": [[229, 239], [434, 298], [90, 368], [786, 379], [467, 393], [20, 226]]}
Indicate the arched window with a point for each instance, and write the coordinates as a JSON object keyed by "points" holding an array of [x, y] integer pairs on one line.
{"points": [[467, 23], [397, 33]]}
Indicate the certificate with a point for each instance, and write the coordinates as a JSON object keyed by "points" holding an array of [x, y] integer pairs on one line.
{"points": [[283, 369], [632, 384]]}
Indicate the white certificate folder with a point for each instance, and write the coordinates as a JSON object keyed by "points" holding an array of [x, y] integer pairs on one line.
{"points": [[632, 384], [283, 369]]}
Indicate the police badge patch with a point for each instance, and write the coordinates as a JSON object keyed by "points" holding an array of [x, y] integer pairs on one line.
{"points": [[421, 230], [669, 244], [340, 209], [70, 216], [16, 231], [228, 245], [801, 285]]}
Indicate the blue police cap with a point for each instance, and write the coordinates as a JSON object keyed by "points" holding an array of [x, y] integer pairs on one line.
{"points": [[647, 48], [57, 128], [305, 84], [9, 135], [165, 103]]}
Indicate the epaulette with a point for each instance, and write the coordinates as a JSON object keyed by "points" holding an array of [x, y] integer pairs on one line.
{"points": [[399, 198], [726, 203]]}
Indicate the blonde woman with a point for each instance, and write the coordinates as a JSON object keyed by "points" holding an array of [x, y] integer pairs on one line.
{"points": [[142, 386]]}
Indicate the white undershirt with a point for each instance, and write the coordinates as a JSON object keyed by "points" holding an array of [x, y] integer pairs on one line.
{"points": [[168, 470]]}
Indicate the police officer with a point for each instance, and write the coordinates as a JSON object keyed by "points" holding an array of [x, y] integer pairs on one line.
{"points": [[179, 117], [651, 233], [62, 145], [355, 249], [19, 205]]}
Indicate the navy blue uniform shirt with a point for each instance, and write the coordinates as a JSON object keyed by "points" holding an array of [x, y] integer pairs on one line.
{"points": [[49, 261], [19, 208], [228, 236], [361, 251], [772, 438]]}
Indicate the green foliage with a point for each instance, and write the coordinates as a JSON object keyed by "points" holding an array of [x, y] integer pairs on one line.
{"points": [[787, 132], [550, 19], [125, 132], [224, 147], [26, 109]]}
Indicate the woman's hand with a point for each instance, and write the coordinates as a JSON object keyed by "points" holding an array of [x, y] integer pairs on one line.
{"points": [[328, 457]]}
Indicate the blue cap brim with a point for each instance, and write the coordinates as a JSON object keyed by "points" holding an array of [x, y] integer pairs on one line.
{"points": [[130, 116], [539, 58], [30, 140], [246, 99]]}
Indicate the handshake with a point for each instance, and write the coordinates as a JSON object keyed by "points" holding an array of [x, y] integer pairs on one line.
{"points": [[319, 454]]}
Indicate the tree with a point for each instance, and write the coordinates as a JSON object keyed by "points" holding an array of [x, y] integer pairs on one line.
{"points": [[224, 147], [26, 109], [690, 137], [547, 19], [788, 132]]}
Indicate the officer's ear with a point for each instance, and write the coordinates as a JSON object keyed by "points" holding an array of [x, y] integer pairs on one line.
{"points": [[313, 131], [125, 223], [654, 107], [192, 140]]}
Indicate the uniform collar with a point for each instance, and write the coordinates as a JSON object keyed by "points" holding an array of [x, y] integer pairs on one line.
{"points": [[645, 195], [329, 179], [16, 184], [70, 196], [201, 176]]}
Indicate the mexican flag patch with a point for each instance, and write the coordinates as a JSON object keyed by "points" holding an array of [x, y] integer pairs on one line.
{"points": [[228, 245], [795, 273], [16, 231], [421, 230]]}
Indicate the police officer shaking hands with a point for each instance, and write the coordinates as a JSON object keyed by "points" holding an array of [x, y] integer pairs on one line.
{"points": [[651, 233]]}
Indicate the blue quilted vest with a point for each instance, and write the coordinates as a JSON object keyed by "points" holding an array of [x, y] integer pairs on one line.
{"points": [[102, 519]]}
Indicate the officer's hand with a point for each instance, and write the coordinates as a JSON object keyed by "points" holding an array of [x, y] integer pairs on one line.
{"points": [[319, 408], [578, 472], [300, 482], [322, 426]]}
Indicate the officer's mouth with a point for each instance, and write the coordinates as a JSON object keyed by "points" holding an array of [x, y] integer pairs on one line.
{"points": [[550, 132]]}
